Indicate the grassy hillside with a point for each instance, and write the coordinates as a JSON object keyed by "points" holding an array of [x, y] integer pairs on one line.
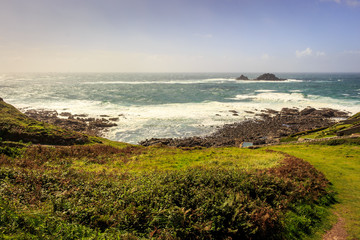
{"points": [[342, 128], [15, 126], [119, 191]]}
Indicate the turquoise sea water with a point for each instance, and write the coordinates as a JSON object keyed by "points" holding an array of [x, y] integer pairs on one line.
{"points": [[176, 104]]}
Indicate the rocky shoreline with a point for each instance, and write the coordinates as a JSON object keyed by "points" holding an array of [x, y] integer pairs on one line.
{"points": [[271, 126], [267, 126], [78, 122]]}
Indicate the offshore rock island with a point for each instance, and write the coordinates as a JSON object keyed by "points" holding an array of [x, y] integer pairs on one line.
{"points": [[263, 77]]}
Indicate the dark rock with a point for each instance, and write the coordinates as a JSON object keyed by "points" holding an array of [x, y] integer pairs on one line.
{"points": [[90, 126], [242, 77], [65, 114], [81, 115], [289, 111], [269, 77], [307, 111], [349, 131], [267, 130], [271, 111]]}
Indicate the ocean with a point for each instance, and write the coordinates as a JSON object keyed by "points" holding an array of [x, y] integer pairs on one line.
{"points": [[176, 104]]}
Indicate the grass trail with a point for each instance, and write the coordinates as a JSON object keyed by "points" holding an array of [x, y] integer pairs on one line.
{"points": [[341, 165]]}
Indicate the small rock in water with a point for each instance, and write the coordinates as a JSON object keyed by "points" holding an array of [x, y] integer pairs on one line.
{"points": [[114, 119], [242, 77], [65, 114]]}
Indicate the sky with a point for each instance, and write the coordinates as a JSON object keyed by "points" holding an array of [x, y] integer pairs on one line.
{"points": [[180, 36]]}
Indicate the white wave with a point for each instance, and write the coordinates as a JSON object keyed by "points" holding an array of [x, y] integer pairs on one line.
{"points": [[295, 91], [273, 97], [265, 90], [200, 81], [294, 80]]}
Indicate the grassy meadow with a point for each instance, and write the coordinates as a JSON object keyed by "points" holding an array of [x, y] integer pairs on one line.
{"points": [[101, 192]]}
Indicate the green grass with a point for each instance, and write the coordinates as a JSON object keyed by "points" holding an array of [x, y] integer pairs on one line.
{"points": [[329, 132], [197, 194], [15, 126], [138, 159], [341, 165], [165, 158], [323, 132]]}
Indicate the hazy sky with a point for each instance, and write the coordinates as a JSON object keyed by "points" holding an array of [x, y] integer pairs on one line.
{"points": [[179, 35]]}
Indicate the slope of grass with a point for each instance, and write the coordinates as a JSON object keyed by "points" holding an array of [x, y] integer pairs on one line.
{"points": [[15, 126], [341, 165], [325, 132]]}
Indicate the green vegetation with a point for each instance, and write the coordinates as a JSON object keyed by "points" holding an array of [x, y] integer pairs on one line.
{"points": [[340, 162], [15, 126], [341, 128], [109, 190], [41, 190], [164, 158]]}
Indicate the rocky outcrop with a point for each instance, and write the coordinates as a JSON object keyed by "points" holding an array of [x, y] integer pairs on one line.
{"points": [[263, 77], [242, 77], [269, 129], [269, 77], [349, 131], [76, 122]]}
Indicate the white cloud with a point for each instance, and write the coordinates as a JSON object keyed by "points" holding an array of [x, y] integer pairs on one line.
{"points": [[306, 52]]}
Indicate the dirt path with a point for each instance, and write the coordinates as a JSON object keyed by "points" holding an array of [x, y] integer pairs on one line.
{"points": [[337, 232]]}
